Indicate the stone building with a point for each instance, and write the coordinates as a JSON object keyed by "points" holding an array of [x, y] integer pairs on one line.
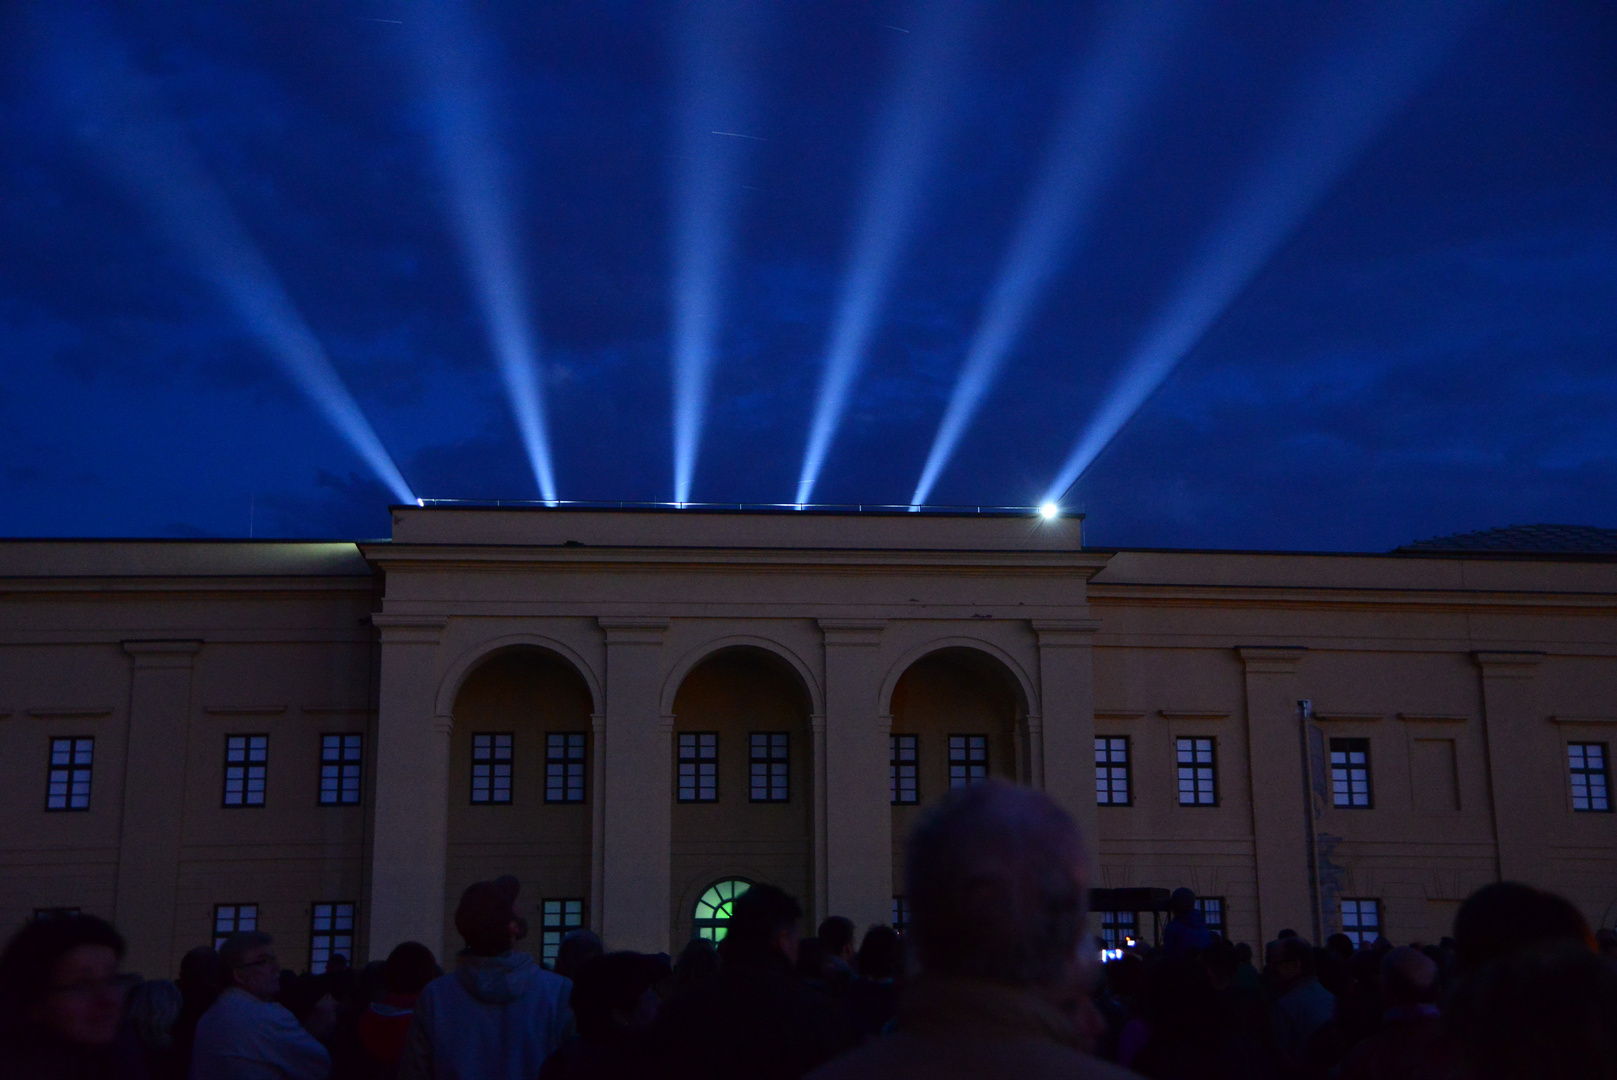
{"points": [[637, 712]]}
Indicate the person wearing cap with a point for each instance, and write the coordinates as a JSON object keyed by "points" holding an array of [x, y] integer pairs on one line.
{"points": [[1186, 934], [499, 1014]]}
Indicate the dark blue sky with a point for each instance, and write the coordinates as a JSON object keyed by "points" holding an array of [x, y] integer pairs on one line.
{"points": [[1433, 349]]}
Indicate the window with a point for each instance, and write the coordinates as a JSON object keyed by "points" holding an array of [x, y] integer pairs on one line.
{"points": [[769, 767], [1591, 782], [901, 913], [1119, 928], [713, 909], [556, 918], [1198, 773], [69, 786], [331, 933], [41, 913], [341, 757], [968, 760], [1361, 921], [699, 768], [229, 918], [564, 767], [1350, 773], [903, 769], [1112, 771], [491, 769], [1212, 913], [245, 758]]}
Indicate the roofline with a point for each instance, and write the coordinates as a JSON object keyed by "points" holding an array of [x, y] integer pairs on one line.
{"points": [[894, 510], [1458, 553]]}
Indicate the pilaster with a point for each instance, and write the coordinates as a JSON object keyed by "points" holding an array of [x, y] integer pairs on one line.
{"points": [[1061, 727], [857, 864], [1280, 811], [1518, 777]]}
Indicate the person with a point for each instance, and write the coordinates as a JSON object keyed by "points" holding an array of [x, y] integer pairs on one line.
{"points": [[1506, 917], [998, 884], [872, 998], [153, 1008], [1186, 933], [62, 1002], [202, 977], [755, 1019], [1546, 1010], [1189, 1034], [614, 1005], [500, 1014], [577, 948], [698, 961], [812, 962], [384, 1024], [836, 943], [1411, 1044], [1302, 1006], [245, 1034]]}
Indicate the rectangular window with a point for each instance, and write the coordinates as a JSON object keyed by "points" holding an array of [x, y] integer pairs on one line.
{"points": [[331, 933], [1112, 787], [968, 760], [1198, 772], [1361, 921], [903, 769], [564, 767], [246, 758], [1591, 778], [341, 758], [1119, 929], [54, 913], [770, 781], [901, 914], [491, 769], [557, 918], [1350, 773], [229, 918], [1212, 913], [698, 766], [69, 785]]}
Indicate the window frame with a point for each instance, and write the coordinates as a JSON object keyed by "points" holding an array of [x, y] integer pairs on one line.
{"points": [[900, 769], [560, 767], [965, 762], [901, 913], [777, 763], [700, 763], [716, 898], [1355, 933], [494, 763], [1115, 926], [71, 770], [235, 909], [1343, 774], [1602, 773], [1223, 913], [552, 931], [342, 768], [332, 933], [246, 766], [1110, 764], [1180, 768]]}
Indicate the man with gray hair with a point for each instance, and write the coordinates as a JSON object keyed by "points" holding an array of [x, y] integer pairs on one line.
{"points": [[1411, 1044], [997, 883], [246, 1036]]}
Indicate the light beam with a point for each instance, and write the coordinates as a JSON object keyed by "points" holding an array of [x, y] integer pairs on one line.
{"points": [[1333, 121], [120, 116], [906, 140], [1103, 97], [454, 64]]}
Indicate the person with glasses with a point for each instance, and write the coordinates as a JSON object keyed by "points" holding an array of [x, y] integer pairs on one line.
{"points": [[62, 1001], [245, 1035]]}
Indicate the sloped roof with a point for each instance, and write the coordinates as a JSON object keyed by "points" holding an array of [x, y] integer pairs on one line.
{"points": [[1556, 539]]}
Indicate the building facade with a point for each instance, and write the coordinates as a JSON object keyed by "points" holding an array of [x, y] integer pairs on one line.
{"points": [[638, 712]]}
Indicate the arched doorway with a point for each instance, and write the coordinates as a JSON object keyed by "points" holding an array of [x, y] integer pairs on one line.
{"points": [[520, 789], [711, 919], [743, 779]]}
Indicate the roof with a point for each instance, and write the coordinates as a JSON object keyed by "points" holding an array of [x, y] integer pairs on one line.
{"points": [[1554, 539]]}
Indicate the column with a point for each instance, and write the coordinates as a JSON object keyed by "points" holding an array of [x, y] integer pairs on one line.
{"points": [[154, 801], [410, 835], [857, 809], [1521, 770], [1279, 810], [637, 825], [597, 813], [1061, 727]]}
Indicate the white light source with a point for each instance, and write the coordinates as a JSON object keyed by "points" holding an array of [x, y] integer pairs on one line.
{"points": [[1049, 511]]}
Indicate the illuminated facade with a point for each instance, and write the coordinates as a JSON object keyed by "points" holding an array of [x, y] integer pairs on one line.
{"points": [[632, 711]]}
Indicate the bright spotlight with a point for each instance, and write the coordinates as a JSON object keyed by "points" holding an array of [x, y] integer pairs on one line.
{"points": [[453, 65], [122, 118], [1341, 112], [906, 140], [1049, 511], [1102, 99]]}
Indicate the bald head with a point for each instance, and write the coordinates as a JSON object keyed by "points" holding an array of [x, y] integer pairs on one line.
{"points": [[997, 886], [1409, 977]]}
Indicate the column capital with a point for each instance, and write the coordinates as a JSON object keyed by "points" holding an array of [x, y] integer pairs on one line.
{"points": [[1508, 665], [1064, 633], [1271, 659], [866, 632], [443, 724], [409, 629], [633, 629], [162, 654]]}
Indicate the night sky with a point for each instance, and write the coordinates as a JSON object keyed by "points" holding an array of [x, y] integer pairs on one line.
{"points": [[1430, 348]]}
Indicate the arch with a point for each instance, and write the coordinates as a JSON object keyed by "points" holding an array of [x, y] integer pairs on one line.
{"points": [[1029, 695], [713, 907], [694, 659], [473, 658]]}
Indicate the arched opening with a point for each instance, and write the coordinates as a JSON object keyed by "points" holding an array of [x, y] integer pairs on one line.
{"points": [[743, 779], [959, 716], [711, 919], [520, 787]]}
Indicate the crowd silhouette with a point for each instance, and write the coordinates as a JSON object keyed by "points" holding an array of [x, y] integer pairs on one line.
{"points": [[996, 976]]}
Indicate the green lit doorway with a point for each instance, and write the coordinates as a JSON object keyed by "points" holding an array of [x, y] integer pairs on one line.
{"points": [[712, 916]]}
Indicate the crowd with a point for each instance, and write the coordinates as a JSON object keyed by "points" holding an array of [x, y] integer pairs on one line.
{"points": [[995, 977]]}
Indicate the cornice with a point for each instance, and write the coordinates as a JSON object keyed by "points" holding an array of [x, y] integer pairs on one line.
{"points": [[197, 587], [409, 629], [1271, 659], [1304, 598], [852, 632], [1064, 633], [427, 558], [71, 712], [633, 629], [1508, 665], [1193, 714]]}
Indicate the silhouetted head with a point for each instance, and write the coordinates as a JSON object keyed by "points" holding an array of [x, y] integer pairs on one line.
{"points": [[763, 920], [486, 917], [880, 953], [1544, 1011], [409, 968], [1508, 916], [836, 937], [1409, 977], [577, 948]]}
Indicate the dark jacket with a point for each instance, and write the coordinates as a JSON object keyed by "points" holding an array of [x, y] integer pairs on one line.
{"points": [[1411, 1045]]}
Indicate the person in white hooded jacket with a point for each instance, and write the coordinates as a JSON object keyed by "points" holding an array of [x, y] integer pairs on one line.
{"points": [[498, 1015]]}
